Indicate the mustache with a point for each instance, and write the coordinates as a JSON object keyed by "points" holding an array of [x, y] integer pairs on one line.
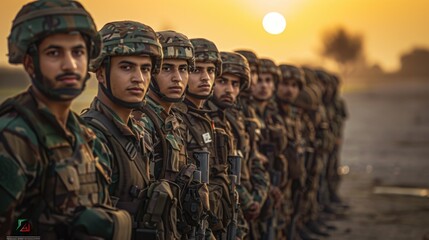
{"points": [[68, 74]]}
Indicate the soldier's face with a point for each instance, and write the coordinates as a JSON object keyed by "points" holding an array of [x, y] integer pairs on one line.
{"points": [[253, 76], [202, 78], [264, 87], [227, 88], [63, 61], [173, 77], [288, 90], [129, 77]]}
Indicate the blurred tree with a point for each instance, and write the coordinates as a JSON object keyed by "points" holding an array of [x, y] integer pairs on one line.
{"points": [[342, 47]]}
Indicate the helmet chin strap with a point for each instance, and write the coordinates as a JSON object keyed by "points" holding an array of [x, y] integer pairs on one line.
{"points": [[108, 91], [201, 97], [155, 89], [39, 81]]}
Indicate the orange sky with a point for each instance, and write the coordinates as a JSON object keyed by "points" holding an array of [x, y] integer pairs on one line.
{"points": [[389, 27]]}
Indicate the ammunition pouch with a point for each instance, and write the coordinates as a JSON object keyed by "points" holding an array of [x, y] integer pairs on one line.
{"points": [[192, 204], [160, 211], [101, 221]]}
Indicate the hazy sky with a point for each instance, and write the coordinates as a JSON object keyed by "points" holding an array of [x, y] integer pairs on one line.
{"points": [[389, 27]]}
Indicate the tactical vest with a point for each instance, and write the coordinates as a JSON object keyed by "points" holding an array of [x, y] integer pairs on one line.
{"points": [[200, 129], [72, 178], [174, 155], [130, 157]]}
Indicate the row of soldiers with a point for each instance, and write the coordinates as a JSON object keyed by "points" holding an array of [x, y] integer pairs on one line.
{"points": [[181, 142]]}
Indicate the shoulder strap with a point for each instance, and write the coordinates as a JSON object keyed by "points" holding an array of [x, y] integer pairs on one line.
{"points": [[150, 114], [101, 122]]}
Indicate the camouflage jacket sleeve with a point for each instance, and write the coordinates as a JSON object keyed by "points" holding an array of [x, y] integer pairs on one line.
{"points": [[20, 167], [259, 178]]}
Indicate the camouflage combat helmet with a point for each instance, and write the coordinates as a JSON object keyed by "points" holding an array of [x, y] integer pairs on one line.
{"points": [[206, 51], [309, 75], [251, 58], [236, 64], [174, 46], [268, 66], [291, 72], [126, 38], [307, 99], [38, 19], [323, 76], [129, 38]]}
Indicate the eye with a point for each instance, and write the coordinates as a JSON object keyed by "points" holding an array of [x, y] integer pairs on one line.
{"points": [[79, 52], [196, 70], [221, 81], [211, 70], [146, 69], [166, 68], [126, 67], [236, 84], [183, 68], [53, 53]]}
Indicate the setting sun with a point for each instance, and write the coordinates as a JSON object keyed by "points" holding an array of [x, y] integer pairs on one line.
{"points": [[274, 23]]}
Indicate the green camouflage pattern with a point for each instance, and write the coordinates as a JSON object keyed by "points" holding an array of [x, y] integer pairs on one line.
{"points": [[292, 72], [268, 66], [171, 125], [176, 46], [309, 75], [236, 64], [24, 164], [251, 58], [206, 51], [39, 19], [323, 76], [128, 38]]}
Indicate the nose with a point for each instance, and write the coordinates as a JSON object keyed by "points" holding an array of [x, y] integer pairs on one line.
{"points": [[69, 62], [205, 76], [228, 87], [177, 77], [138, 76]]}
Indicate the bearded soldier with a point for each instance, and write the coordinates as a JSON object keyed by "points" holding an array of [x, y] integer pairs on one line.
{"points": [[131, 53], [226, 89], [235, 66], [54, 171]]}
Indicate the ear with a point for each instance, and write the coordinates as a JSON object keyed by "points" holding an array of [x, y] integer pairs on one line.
{"points": [[29, 65], [100, 75]]}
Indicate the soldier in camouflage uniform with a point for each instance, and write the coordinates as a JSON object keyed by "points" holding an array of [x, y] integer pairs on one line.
{"points": [[131, 53], [163, 126], [308, 104], [341, 114], [226, 90], [288, 89], [235, 65], [257, 175], [54, 171], [329, 139], [293, 81], [199, 134], [272, 144]]}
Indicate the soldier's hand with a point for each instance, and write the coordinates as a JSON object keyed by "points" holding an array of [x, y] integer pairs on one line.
{"points": [[253, 211]]}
